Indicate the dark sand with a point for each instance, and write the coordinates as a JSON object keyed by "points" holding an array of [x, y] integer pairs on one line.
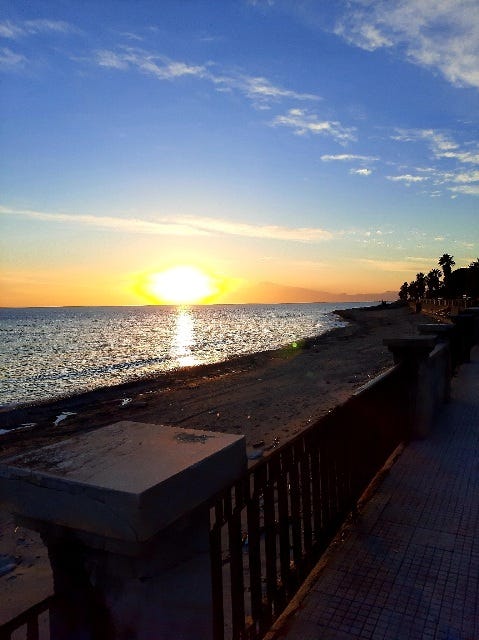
{"points": [[268, 397]]}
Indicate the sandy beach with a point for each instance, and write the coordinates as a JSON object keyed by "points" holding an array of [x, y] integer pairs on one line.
{"points": [[268, 397]]}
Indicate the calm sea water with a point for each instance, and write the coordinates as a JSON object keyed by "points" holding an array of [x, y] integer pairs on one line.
{"points": [[51, 352]]}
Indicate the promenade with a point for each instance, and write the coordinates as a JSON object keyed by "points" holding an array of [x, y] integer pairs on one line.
{"points": [[408, 569]]}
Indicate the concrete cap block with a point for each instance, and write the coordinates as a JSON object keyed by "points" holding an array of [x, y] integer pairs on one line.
{"points": [[127, 481], [410, 348], [410, 343], [435, 327]]}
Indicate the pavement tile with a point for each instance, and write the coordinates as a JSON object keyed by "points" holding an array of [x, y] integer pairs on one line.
{"points": [[410, 567]]}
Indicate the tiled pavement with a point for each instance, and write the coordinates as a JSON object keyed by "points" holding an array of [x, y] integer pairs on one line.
{"points": [[409, 570]]}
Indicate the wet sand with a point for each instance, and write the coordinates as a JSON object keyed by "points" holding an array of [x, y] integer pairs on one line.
{"points": [[268, 397]]}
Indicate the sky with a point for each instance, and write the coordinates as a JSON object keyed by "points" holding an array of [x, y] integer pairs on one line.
{"points": [[313, 145]]}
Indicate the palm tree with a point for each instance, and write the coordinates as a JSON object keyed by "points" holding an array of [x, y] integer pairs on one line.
{"points": [[433, 282], [420, 284], [412, 290], [404, 291], [446, 262]]}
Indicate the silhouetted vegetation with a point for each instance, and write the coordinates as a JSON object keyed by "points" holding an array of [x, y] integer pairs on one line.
{"points": [[443, 284]]}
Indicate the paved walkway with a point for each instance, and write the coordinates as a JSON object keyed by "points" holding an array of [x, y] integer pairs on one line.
{"points": [[410, 568]]}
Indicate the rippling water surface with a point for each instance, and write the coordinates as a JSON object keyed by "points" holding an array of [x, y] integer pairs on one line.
{"points": [[51, 352]]}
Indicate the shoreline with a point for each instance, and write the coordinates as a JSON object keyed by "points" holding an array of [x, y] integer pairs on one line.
{"points": [[14, 415], [156, 377], [10, 406], [250, 393]]}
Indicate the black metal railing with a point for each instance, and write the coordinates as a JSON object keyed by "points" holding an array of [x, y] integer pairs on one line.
{"points": [[270, 527], [29, 620]]}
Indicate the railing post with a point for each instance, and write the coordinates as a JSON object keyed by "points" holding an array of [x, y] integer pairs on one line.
{"points": [[122, 511], [465, 328], [412, 354]]}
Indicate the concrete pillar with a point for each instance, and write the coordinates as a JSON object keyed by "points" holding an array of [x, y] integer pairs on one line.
{"points": [[446, 334], [474, 312], [465, 328], [122, 512], [412, 353]]}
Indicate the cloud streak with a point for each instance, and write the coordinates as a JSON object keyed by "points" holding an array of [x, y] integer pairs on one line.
{"points": [[348, 157], [258, 89], [407, 178], [11, 60], [303, 122], [412, 265], [445, 149], [271, 232], [14, 31], [469, 190], [438, 35], [160, 67], [187, 226], [360, 172], [127, 225]]}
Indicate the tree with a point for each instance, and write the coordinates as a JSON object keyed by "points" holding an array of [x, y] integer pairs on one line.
{"points": [[433, 282], [473, 279], [412, 290], [403, 291], [446, 262], [420, 284]]}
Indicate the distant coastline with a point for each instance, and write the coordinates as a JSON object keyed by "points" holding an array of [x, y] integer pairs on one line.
{"points": [[262, 293]]}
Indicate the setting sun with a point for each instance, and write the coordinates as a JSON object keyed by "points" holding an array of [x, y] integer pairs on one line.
{"points": [[182, 285]]}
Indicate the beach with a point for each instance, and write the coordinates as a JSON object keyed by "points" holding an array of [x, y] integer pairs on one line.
{"points": [[268, 397]]}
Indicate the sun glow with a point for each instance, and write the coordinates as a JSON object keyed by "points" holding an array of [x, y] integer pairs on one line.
{"points": [[182, 285]]}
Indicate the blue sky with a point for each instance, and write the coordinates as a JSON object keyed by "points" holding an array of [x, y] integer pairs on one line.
{"points": [[332, 146]]}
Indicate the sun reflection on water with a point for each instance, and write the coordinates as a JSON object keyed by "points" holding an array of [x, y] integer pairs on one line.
{"points": [[184, 339]]}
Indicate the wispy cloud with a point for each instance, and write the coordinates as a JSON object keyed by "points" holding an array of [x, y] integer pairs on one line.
{"points": [[159, 66], [468, 176], [444, 147], [14, 31], [272, 232], [258, 89], [348, 157], [127, 225], [360, 172], [186, 226], [10, 30], [10, 60], [469, 190], [439, 35], [45, 26], [303, 122], [407, 178], [412, 265]]}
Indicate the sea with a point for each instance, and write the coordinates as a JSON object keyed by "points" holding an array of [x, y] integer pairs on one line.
{"points": [[52, 352]]}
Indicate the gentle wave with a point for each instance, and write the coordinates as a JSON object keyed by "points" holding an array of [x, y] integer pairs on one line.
{"points": [[52, 352]]}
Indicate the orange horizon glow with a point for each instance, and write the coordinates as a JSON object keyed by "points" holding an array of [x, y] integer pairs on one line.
{"points": [[182, 283]]}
